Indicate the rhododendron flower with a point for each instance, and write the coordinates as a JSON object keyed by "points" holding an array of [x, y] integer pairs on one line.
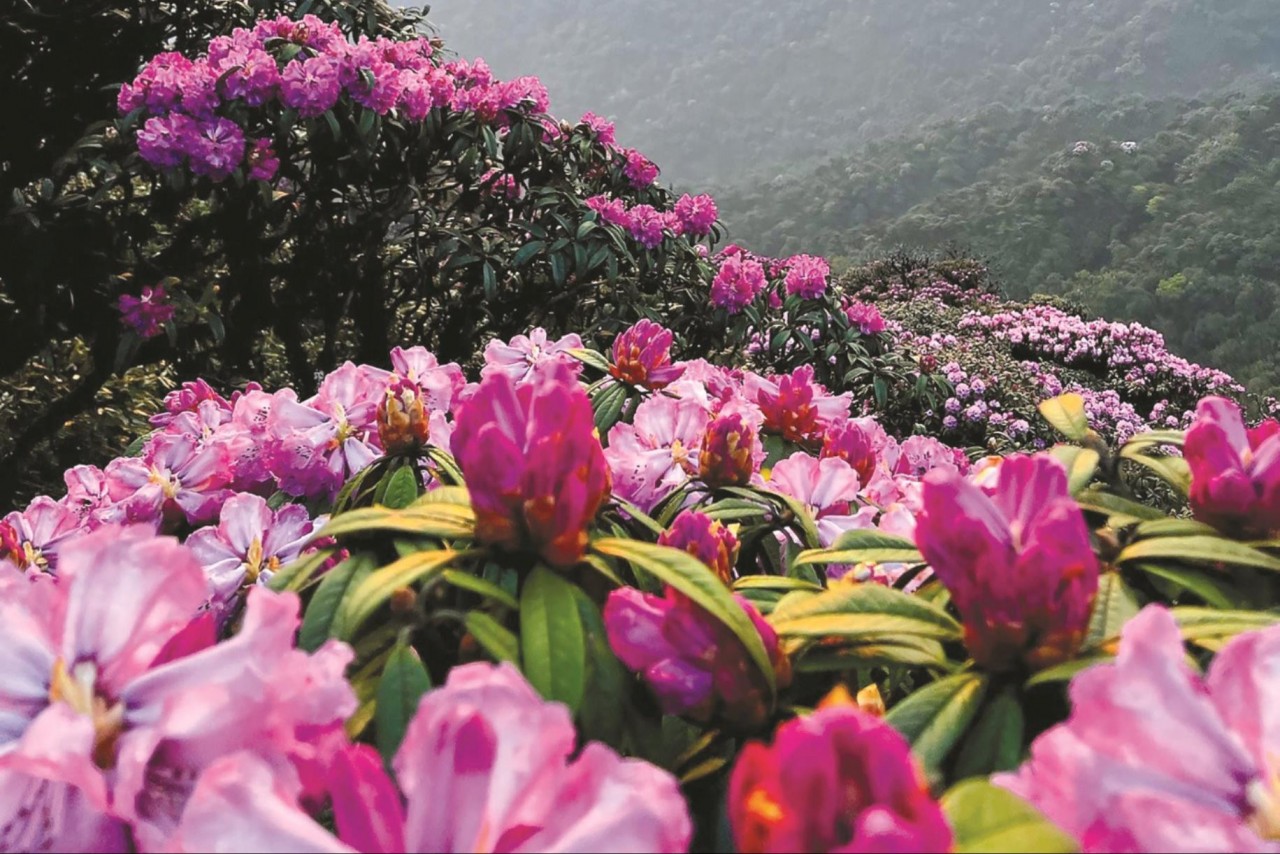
{"points": [[87, 493], [533, 464], [839, 779], [731, 451], [38, 532], [250, 542], [796, 407], [176, 477], [658, 451], [827, 488], [403, 423], [262, 160], [697, 214], [704, 538], [806, 276], [866, 317], [611, 211], [484, 766], [1235, 471], [694, 663], [187, 398], [121, 698], [646, 224], [311, 86], [1016, 558], [738, 281], [601, 127], [217, 149], [1155, 757], [639, 170], [146, 314], [642, 356], [524, 353]]}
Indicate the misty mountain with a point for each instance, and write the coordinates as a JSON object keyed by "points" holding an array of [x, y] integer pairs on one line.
{"points": [[718, 89]]}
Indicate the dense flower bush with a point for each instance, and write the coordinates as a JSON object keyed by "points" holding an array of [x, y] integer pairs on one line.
{"points": [[636, 586]]}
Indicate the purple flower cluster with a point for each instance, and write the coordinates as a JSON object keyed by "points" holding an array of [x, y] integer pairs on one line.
{"points": [[806, 276], [738, 282], [648, 226], [147, 313]]}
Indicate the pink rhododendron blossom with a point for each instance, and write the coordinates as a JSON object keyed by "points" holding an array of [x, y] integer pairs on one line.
{"points": [[827, 488], [176, 477], [518, 358], [262, 160], [642, 356], [187, 398], [1016, 558], [731, 452], [866, 317], [737, 283], [656, 453], [839, 779], [1155, 757], [646, 224], [115, 696], [1235, 471], [851, 442], [146, 314], [694, 663], [601, 127], [533, 465], [311, 86], [795, 406], [638, 169], [697, 214], [704, 538], [611, 211], [249, 544], [806, 276], [39, 531]]}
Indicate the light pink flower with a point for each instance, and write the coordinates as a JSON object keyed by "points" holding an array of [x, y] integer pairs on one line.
{"points": [[176, 477], [518, 358], [40, 531], [827, 488], [1155, 757], [658, 451]]}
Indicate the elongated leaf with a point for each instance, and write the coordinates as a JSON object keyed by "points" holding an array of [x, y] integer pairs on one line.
{"points": [[871, 539], [494, 638], [692, 578], [1081, 465], [608, 406], [1066, 414], [1176, 438], [1172, 470], [590, 357], [402, 488], [864, 610], [889, 652], [835, 555], [552, 641], [986, 818], [774, 582], [375, 588], [607, 683], [1068, 669], [318, 619], [1113, 606], [1119, 511], [1172, 528], [936, 716], [995, 741], [1211, 628], [452, 496], [1198, 549], [447, 471], [404, 681], [447, 521], [489, 590], [294, 576], [1213, 587]]}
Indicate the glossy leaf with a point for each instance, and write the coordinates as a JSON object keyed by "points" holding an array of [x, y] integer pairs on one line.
{"points": [[373, 589], [1066, 414], [404, 681], [552, 641], [935, 717], [986, 818], [317, 620]]}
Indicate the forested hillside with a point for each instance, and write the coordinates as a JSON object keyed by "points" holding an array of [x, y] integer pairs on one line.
{"points": [[717, 89], [1163, 212]]}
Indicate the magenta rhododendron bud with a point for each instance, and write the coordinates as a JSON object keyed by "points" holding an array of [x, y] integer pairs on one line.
{"points": [[1155, 757], [728, 451], [694, 663], [1016, 557], [853, 444], [533, 463], [1235, 471], [704, 538], [866, 317], [839, 779], [642, 356], [795, 406], [403, 424], [146, 314]]}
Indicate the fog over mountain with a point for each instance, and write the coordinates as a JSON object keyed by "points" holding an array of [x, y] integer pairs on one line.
{"points": [[716, 89]]}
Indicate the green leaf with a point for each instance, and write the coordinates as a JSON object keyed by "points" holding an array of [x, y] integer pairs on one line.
{"points": [[1214, 588], [863, 611], [1066, 414], [424, 519], [552, 641], [1212, 628], [487, 589], [1172, 470], [1119, 511], [1113, 606], [995, 741], [1198, 548], [1172, 528], [864, 546], [692, 578], [494, 638], [986, 818], [404, 681], [401, 489], [318, 619], [1067, 670], [1158, 437], [903, 651], [608, 406], [935, 717], [870, 539], [373, 589], [524, 253], [591, 358], [1081, 465], [294, 576], [607, 682]]}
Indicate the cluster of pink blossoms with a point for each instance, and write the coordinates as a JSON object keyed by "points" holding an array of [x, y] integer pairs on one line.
{"points": [[693, 216], [742, 277]]}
